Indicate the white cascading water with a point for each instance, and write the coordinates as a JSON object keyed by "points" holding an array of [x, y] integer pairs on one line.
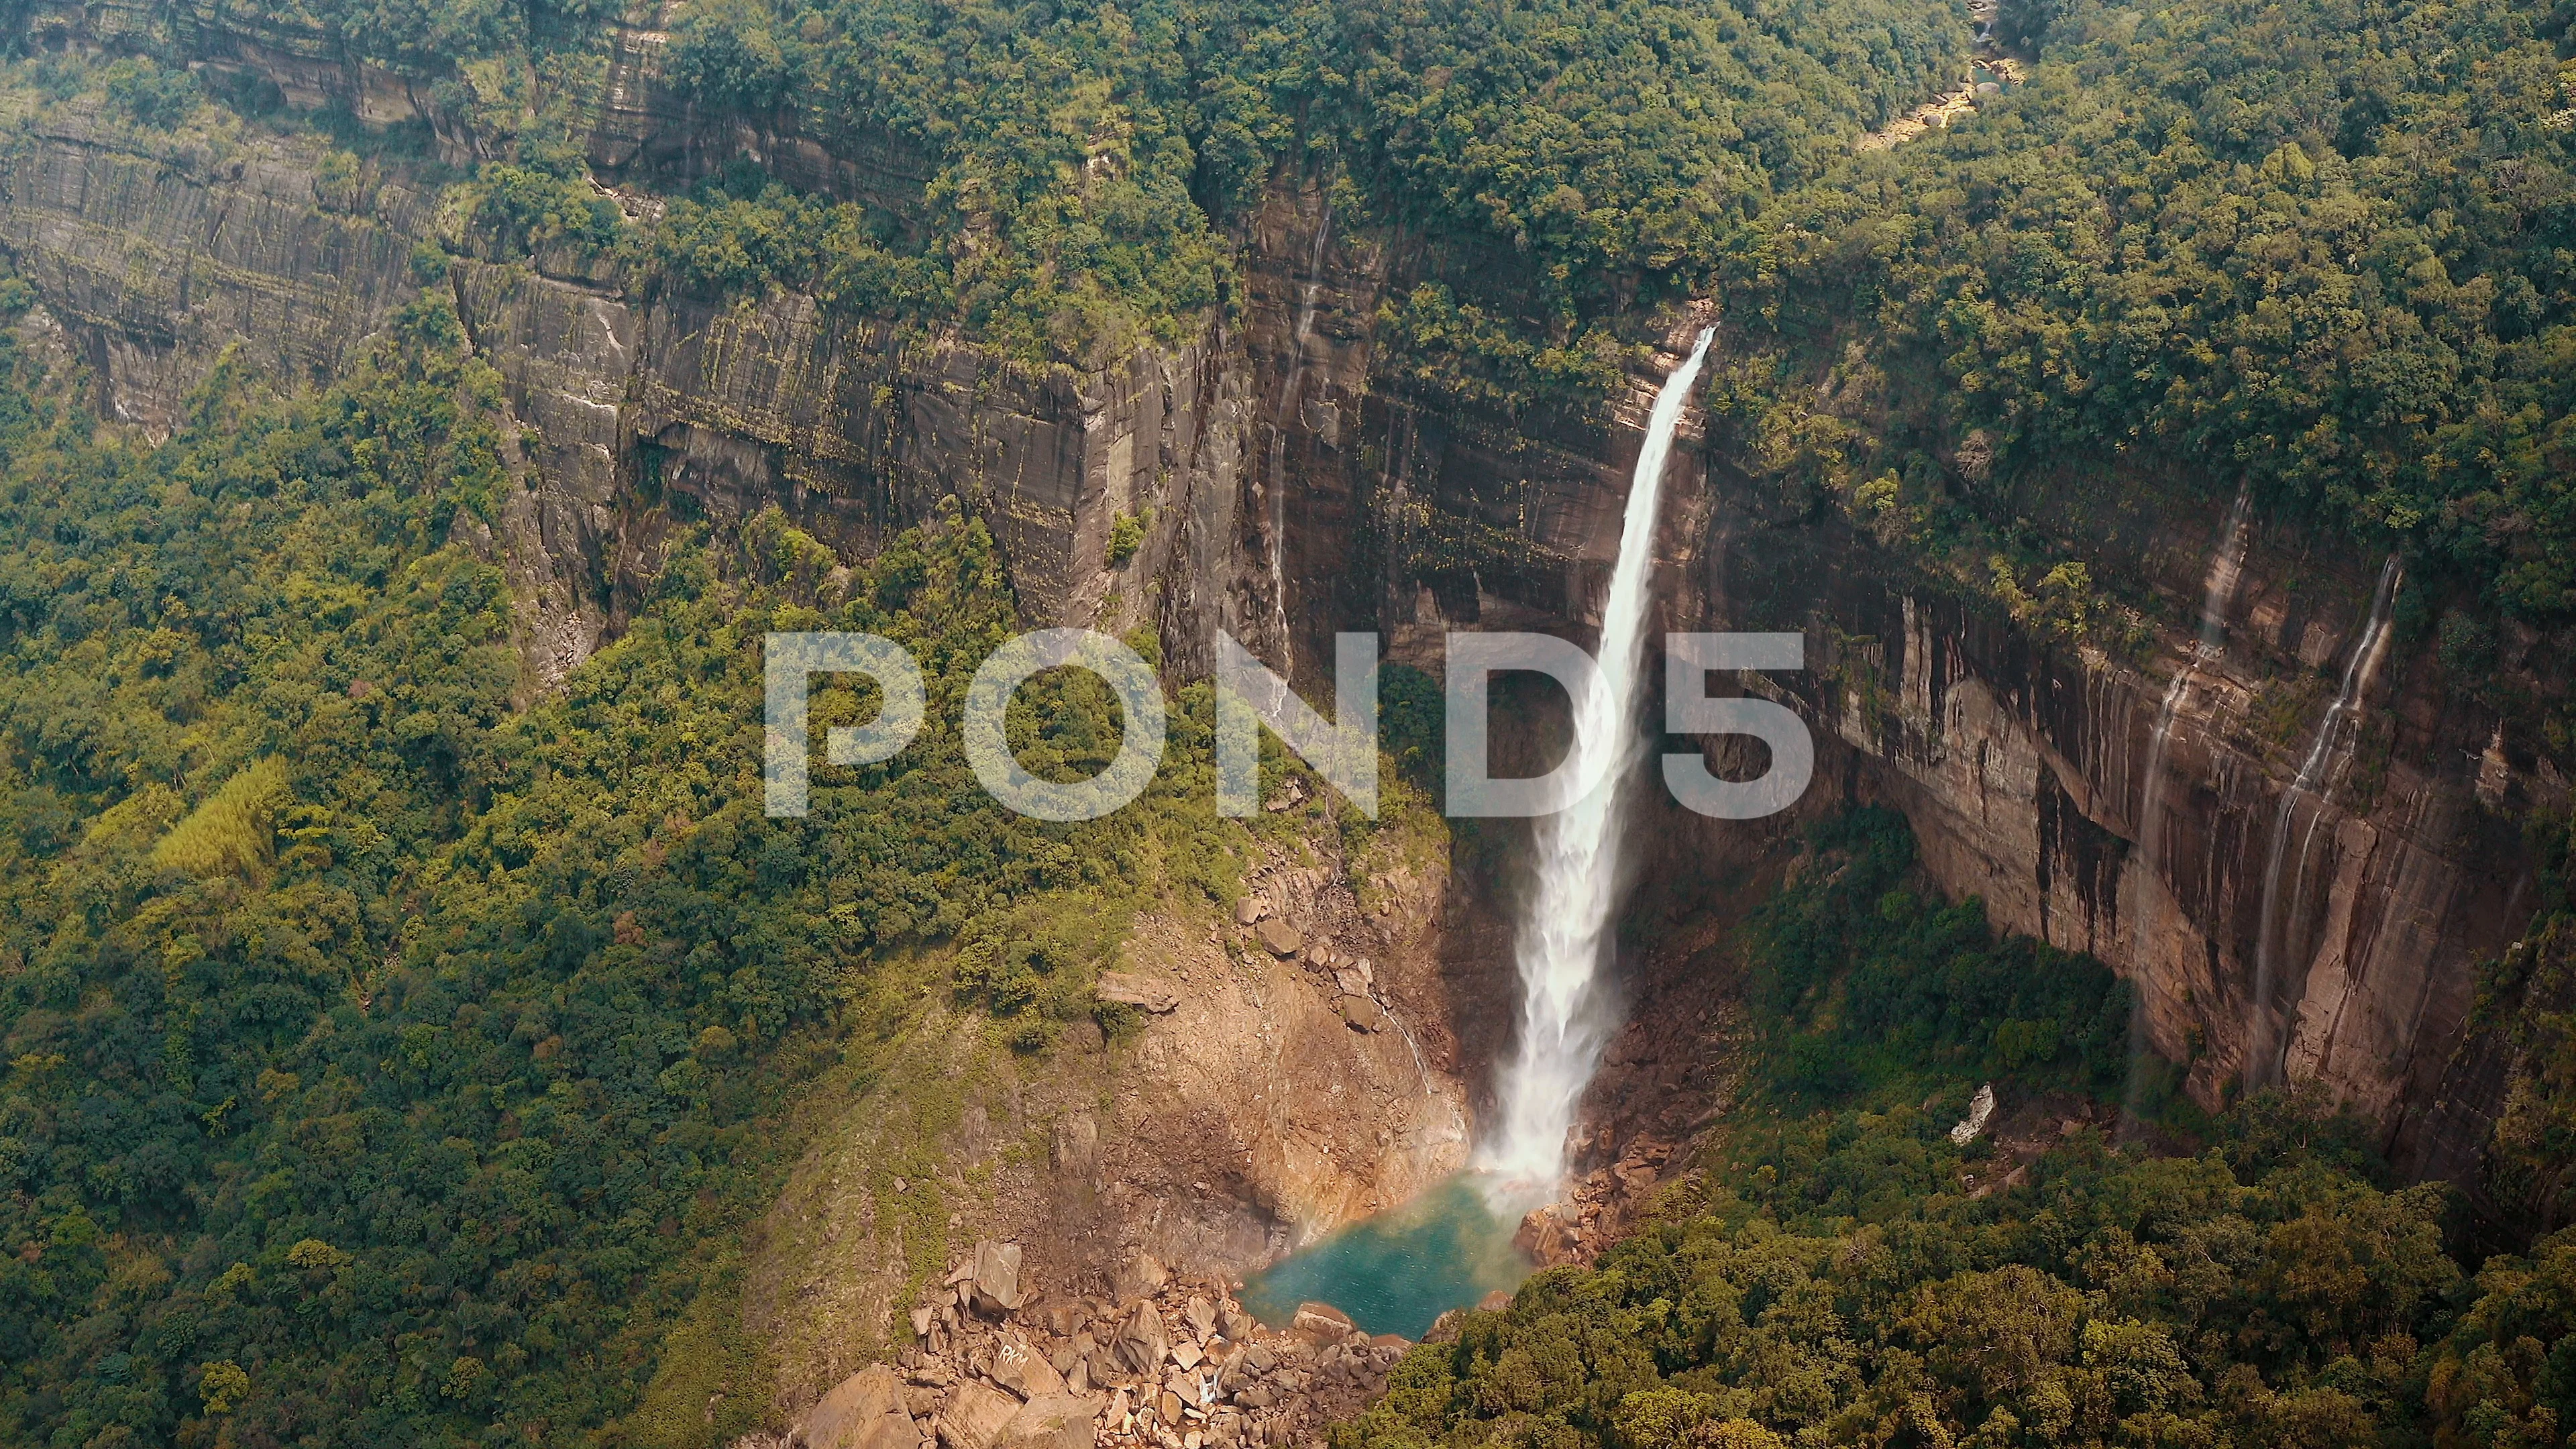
{"points": [[2262, 1047], [1565, 931], [1307, 290], [2218, 590], [2218, 587]]}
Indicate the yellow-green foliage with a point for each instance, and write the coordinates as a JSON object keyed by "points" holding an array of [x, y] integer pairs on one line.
{"points": [[235, 831], [710, 1385]]}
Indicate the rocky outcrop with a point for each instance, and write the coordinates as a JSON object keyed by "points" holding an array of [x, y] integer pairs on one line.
{"points": [[640, 411], [1237, 1115], [161, 254], [2025, 766], [2024, 759]]}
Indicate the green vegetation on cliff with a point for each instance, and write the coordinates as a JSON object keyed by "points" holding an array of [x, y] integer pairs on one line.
{"points": [[1086, 161], [2319, 245], [382, 1065]]}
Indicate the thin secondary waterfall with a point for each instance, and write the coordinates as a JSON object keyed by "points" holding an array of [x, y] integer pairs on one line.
{"points": [[2217, 591], [2262, 1047], [1278, 482], [1565, 930]]}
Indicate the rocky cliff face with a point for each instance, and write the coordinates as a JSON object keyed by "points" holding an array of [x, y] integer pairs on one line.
{"points": [[2331, 933], [641, 411], [2146, 808], [1295, 487]]}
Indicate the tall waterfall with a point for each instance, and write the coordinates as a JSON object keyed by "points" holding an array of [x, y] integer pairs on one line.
{"points": [[1565, 930], [1277, 488], [2217, 591], [2263, 1047], [2218, 587]]}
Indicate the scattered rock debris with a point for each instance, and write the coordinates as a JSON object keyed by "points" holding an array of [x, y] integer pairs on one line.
{"points": [[1597, 1212], [1163, 1360]]}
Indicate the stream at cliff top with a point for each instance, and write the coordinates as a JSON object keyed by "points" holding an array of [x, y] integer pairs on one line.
{"points": [[1400, 1270]]}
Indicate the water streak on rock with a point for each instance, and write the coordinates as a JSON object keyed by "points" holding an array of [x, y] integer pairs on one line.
{"points": [[2326, 754]]}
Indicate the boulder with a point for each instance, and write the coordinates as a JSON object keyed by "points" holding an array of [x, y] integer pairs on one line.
{"points": [[1050, 1421], [1547, 1237], [1981, 1109], [1494, 1302], [1140, 1345], [1017, 1367], [1134, 990], [1282, 938], [995, 1285], [1321, 1322], [1249, 909], [1141, 1275], [975, 1417], [1201, 1315], [865, 1412], [1364, 1014], [921, 1320]]}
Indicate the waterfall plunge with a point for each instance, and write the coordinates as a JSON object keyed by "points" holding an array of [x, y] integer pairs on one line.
{"points": [[1565, 929]]}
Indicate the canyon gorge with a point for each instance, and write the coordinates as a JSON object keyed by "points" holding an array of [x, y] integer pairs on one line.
{"points": [[2270, 805]]}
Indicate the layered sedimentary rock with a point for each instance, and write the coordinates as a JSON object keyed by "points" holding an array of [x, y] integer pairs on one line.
{"points": [[162, 254], [1296, 485]]}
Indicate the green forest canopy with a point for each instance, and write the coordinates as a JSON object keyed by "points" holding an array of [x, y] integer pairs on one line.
{"points": [[378, 1059], [382, 1065]]}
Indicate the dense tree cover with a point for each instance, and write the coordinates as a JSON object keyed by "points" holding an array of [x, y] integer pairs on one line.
{"points": [[1086, 162], [1830, 1273], [1864, 981], [1086, 157], [2319, 245], [2315, 244], [383, 1066]]}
